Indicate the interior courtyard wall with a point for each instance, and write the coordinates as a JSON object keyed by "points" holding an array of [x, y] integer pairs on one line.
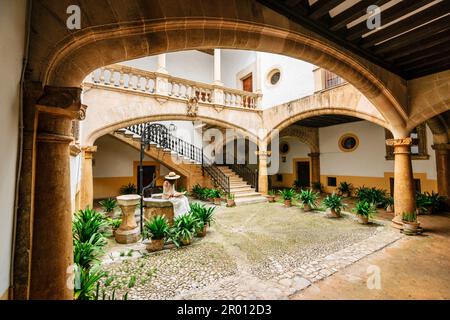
{"points": [[12, 33]]}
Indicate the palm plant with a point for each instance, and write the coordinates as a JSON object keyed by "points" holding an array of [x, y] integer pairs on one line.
{"points": [[128, 189], [287, 194], [156, 228], [364, 210], [345, 188], [109, 205], [308, 198], [88, 223], [184, 229], [409, 217], [389, 204], [372, 195], [334, 203], [86, 282], [86, 253]]}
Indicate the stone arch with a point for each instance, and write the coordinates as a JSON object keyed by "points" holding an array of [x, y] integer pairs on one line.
{"points": [[439, 129], [305, 135], [233, 24]]}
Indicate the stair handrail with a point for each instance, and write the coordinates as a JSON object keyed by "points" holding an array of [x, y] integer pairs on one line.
{"points": [[170, 142], [248, 174]]}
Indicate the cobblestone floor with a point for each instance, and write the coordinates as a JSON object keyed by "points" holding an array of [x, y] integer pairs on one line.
{"points": [[261, 251]]}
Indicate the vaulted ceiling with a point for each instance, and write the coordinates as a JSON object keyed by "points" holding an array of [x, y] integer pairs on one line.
{"points": [[326, 120], [413, 40]]}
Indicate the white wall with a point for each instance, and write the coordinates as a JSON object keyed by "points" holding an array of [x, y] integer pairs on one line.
{"points": [[12, 39], [234, 62], [192, 65], [368, 160], [115, 159], [297, 149], [186, 131], [297, 79]]}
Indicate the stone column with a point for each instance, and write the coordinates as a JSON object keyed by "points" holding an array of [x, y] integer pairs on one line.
{"points": [[52, 251], [315, 167], [404, 195], [263, 180], [162, 63], [443, 169], [87, 183], [217, 68]]}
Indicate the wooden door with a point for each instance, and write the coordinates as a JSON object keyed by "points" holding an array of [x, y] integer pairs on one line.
{"points": [[303, 174], [247, 83]]}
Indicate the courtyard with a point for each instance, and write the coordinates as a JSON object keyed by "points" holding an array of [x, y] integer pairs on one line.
{"points": [[259, 251]]}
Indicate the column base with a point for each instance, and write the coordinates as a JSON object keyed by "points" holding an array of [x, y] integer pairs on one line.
{"points": [[127, 236], [397, 223]]}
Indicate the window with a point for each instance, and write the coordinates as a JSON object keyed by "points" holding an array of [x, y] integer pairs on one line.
{"points": [[279, 178], [332, 80], [284, 148], [274, 77], [331, 181], [348, 142], [418, 147]]}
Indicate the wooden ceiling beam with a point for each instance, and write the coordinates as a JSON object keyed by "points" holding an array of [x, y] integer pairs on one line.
{"points": [[428, 70], [323, 7], [358, 10], [430, 53], [407, 24], [439, 58], [387, 16]]}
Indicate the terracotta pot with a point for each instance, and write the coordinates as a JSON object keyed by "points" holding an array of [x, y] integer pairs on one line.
{"points": [[230, 203], [288, 203], [410, 227], [202, 233], [306, 207], [363, 219], [271, 199], [155, 245], [186, 242], [217, 201], [114, 232], [334, 214]]}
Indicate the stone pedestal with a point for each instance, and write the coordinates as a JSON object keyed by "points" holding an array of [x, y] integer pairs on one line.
{"points": [[158, 207], [404, 195], [87, 184], [128, 231], [315, 167], [443, 170]]}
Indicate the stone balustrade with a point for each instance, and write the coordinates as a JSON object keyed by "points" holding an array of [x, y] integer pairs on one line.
{"points": [[163, 85]]}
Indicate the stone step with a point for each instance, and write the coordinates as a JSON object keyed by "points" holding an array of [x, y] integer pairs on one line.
{"points": [[241, 188], [246, 195], [239, 185], [250, 200], [244, 191]]}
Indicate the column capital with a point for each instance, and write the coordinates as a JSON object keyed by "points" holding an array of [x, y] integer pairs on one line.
{"points": [[89, 149], [314, 154], [264, 153], [404, 142], [62, 101]]}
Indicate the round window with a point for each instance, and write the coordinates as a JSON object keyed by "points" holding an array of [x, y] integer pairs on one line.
{"points": [[274, 77], [348, 142], [284, 148]]}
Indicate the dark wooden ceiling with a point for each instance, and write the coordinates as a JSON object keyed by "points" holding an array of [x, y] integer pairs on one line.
{"points": [[413, 47], [326, 120]]}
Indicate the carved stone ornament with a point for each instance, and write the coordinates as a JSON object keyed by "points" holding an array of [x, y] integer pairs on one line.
{"points": [[399, 142], [192, 107]]}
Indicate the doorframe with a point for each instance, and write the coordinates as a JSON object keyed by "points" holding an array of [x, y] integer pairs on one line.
{"points": [[294, 164], [244, 73], [145, 164]]}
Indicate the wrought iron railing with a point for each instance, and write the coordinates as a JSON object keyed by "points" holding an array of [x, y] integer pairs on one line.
{"points": [[249, 175], [159, 135]]}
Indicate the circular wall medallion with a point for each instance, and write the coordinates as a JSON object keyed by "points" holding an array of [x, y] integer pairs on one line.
{"points": [[274, 77], [284, 147], [348, 142]]}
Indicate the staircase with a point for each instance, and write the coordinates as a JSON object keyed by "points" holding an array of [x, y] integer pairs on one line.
{"points": [[224, 177], [242, 191]]}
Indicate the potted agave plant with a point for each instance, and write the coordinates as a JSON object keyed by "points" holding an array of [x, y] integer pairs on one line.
{"points": [[345, 189], [230, 200], [108, 206], [389, 204], [410, 223], [309, 199], [156, 230], [335, 204], [364, 211], [216, 196], [287, 195], [185, 227], [271, 196], [204, 216]]}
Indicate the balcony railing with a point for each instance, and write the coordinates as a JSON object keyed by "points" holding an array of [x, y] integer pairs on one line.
{"points": [[153, 83]]}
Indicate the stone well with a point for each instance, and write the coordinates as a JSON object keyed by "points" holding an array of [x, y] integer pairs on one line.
{"points": [[156, 206]]}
